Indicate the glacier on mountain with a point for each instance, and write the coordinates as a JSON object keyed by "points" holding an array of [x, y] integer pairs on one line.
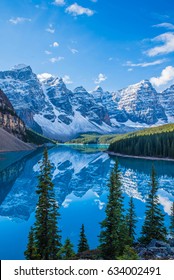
{"points": [[46, 105]]}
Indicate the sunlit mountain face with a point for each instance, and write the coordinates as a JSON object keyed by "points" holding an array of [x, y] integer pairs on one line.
{"points": [[48, 106]]}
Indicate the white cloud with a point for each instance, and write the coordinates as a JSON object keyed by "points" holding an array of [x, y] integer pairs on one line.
{"points": [[19, 20], [77, 10], [165, 25], [56, 59], [74, 51], [167, 47], [145, 64], [44, 76], [101, 78], [59, 2], [167, 75], [67, 79], [55, 44], [48, 52], [110, 58], [94, 1], [50, 29], [130, 70]]}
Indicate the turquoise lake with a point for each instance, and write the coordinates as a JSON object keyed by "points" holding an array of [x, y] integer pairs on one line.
{"points": [[80, 175]]}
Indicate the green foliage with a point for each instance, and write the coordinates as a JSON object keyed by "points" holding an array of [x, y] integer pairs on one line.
{"points": [[153, 227], [83, 243], [171, 227], [131, 220], [67, 252], [36, 138], [45, 235], [114, 233], [152, 142], [92, 138], [128, 254], [30, 253]]}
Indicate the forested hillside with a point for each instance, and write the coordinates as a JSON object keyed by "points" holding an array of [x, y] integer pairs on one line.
{"points": [[93, 138], [152, 142]]}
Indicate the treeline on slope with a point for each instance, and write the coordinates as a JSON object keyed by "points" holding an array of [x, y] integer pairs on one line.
{"points": [[117, 235], [93, 138], [36, 138], [153, 142]]}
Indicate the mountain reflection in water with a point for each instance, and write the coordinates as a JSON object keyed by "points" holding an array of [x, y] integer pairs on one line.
{"points": [[80, 175]]}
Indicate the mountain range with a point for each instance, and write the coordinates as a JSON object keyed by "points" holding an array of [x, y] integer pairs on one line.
{"points": [[49, 107]]}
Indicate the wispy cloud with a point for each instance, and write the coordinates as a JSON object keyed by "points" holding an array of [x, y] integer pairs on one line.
{"points": [[48, 52], [94, 1], [59, 2], [165, 25], [67, 79], [101, 78], [19, 20], [50, 29], [56, 59], [145, 64], [167, 75], [74, 51], [77, 10], [41, 7], [44, 76], [168, 44]]}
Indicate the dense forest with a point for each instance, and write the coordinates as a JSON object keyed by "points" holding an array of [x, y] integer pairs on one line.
{"points": [[152, 142], [93, 138], [36, 138]]}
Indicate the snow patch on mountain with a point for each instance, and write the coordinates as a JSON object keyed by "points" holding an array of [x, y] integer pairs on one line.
{"points": [[46, 105]]}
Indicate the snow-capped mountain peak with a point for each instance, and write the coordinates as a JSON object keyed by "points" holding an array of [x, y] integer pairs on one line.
{"points": [[19, 66], [80, 89], [46, 105]]}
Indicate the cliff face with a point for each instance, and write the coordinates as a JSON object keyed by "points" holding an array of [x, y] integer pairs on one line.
{"points": [[9, 120]]}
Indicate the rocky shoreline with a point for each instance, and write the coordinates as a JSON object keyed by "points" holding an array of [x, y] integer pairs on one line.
{"points": [[156, 250]]}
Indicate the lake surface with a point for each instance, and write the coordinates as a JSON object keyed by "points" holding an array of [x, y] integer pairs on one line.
{"points": [[80, 175]]}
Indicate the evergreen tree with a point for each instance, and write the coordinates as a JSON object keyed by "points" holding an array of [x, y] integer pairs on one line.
{"points": [[171, 228], [131, 220], [153, 227], [67, 252], [54, 240], [46, 234], [129, 254], [113, 236], [83, 243], [30, 253]]}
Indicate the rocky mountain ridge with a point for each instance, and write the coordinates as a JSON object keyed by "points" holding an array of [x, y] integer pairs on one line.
{"points": [[49, 107], [9, 120]]}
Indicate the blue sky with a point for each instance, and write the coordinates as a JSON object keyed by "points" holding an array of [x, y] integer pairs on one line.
{"points": [[105, 43]]}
